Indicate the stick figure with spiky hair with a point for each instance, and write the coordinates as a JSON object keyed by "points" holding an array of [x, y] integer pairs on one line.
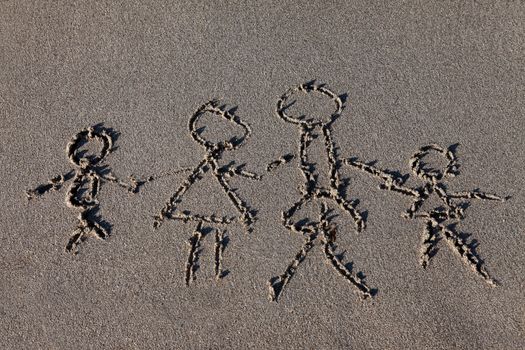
{"points": [[210, 164], [327, 197], [442, 220], [87, 178]]}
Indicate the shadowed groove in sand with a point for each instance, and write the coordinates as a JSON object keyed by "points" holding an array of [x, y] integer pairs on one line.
{"points": [[220, 245], [89, 174], [194, 244]]}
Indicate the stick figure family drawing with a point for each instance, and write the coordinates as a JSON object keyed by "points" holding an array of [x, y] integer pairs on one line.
{"points": [[90, 172]]}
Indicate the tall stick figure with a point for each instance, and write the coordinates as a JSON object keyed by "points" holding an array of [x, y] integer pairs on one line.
{"points": [[88, 175], [441, 220], [214, 152], [325, 197]]}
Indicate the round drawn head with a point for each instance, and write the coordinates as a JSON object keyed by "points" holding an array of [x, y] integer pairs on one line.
{"points": [[89, 147], [420, 163], [232, 130], [329, 106]]}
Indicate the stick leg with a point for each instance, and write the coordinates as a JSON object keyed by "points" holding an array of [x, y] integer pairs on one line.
{"points": [[99, 231], [337, 264], [219, 249], [288, 214], [277, 284], [430, 240], [468, 254], [85, 228], [193, 253]]}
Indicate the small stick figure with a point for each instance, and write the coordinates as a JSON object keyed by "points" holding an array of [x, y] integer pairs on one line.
{"points": [[442, 220], [214, 152], [88, 175], [312, 192]]}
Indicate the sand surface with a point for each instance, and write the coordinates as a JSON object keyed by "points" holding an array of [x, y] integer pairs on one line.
{"points": [[413, 74]]}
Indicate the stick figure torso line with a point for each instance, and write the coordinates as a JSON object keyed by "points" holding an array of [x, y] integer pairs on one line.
{"points": [[326, 197], [214, 152]]}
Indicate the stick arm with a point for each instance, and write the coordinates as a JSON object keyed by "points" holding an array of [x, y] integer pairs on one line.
{"points": [[54, 184]]}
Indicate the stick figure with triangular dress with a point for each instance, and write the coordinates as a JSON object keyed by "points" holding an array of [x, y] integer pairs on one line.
{"points": [[210, 165]]}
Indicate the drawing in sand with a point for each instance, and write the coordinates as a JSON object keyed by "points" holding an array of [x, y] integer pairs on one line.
{"points": [[88, 175], [328, 198], [210, 165], [442, 220]]}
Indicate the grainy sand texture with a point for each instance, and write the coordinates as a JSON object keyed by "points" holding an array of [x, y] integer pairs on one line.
{"points": [[262, 175]]}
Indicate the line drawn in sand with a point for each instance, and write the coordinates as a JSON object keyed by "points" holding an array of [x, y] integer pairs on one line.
{"points": [[214, 152], [442, 220], [312, 192], [88, 175]]}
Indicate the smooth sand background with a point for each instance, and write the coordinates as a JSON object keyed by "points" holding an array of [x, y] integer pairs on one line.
{"points": [[415, 73]]}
